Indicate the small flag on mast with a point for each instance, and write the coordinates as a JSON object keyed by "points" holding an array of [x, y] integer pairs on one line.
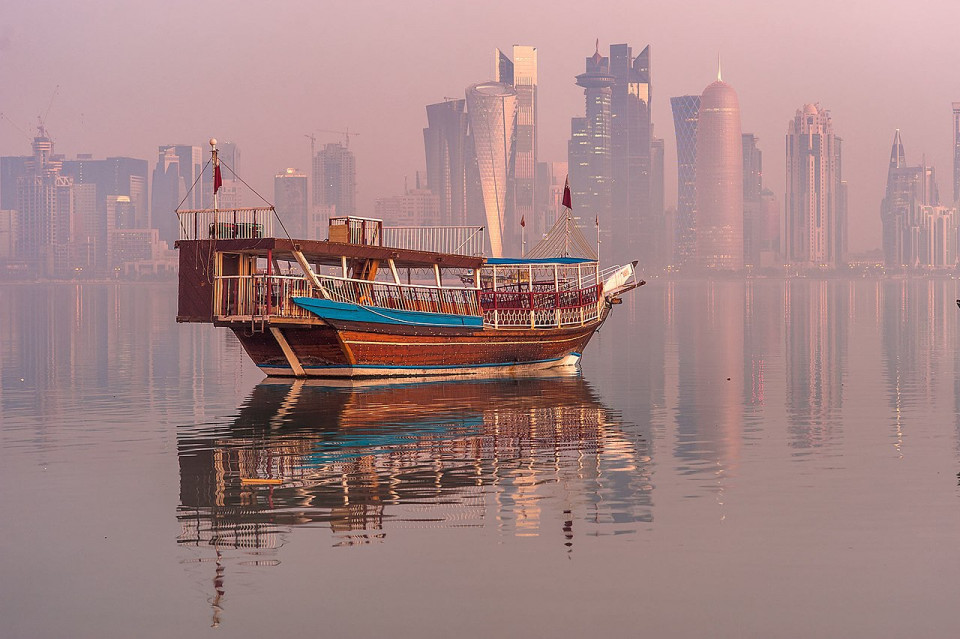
{"points": [[567, 202], [523, 221], [217, 177]]}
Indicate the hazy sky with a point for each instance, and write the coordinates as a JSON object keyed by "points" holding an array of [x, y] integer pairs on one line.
{"points": [[134, 75]]}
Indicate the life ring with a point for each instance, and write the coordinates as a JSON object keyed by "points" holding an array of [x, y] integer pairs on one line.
{"points": [[365, 300]]}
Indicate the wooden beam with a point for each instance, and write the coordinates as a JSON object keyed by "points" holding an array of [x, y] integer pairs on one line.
{"points": [[292, 358]]}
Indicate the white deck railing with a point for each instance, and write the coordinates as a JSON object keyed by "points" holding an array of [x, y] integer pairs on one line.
{"points": [[459, 240], [226, 224]]}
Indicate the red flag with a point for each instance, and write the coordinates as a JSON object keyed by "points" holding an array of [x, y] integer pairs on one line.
{"points": [[523, 221], [217, 178], [566, 194], [598, 221]]}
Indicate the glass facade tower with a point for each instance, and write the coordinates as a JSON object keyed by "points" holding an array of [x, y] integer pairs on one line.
{"points": [[493, 119], [686, 112], [589, 150]]}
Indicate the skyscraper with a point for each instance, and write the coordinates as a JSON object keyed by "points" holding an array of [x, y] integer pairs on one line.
{"points": [[659, 254], [719, 179], [292, 201], [335, 179], [761, 215], [635, 225], [176, 176], [956, 153], [610, 155], [909, 188], [416, 207], [589, 151], [521, 73], [493, 117], [686, 112], [814, 224], [45, 209], [451, 163], [94, 182]]}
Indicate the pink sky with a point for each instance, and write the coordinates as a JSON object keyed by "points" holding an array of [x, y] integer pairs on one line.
{"points": [[136, 75]]}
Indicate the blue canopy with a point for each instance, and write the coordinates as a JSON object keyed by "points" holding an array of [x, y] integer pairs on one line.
{"points": [[517, 261]]}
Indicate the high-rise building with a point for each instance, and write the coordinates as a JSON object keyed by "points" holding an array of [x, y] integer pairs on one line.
{"points": [[335, 179], [937, 237], [176, 176], [45, 210], [89, 239], [292, 201], [719, 179], [94, 182], [521, 73], [589, 151], [956, 153], [551, 178], [660, 253], [814, 225], [761, 214], [610, 155], [449, 154], [686, 111], [909, 188], [493, 116], [636, 226], [416, 207]]}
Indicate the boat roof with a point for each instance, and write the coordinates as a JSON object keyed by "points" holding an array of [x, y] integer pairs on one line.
{"points": [[519, 261], [329, 253]]}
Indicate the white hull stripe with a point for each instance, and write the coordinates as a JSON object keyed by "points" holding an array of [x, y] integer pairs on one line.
{"points": [[424, 371]]}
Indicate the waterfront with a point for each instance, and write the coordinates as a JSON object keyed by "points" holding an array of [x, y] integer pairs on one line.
{"points": [[758, 458]]}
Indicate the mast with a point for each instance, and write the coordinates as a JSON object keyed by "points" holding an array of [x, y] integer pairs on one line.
{"points": [[217, 179]]}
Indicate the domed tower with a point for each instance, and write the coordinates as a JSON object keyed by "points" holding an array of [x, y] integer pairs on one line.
{"points": [[719, 179]]}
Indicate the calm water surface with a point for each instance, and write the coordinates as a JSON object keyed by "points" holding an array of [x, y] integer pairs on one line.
{"points": [[760, 458]]}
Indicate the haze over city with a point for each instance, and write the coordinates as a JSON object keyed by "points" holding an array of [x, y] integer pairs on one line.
{"points": [[133, 77]]}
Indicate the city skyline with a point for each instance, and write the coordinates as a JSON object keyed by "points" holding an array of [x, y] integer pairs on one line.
{"points": [[174, 108]]}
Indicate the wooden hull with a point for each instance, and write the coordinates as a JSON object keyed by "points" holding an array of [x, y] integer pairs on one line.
{"points": [[353, 349]]}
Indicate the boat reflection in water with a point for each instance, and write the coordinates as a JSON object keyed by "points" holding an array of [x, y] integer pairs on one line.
{"points": [[362, 458]]}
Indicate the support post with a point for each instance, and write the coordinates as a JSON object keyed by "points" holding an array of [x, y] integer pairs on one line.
{"points": [[292, 358], [308, 271]]}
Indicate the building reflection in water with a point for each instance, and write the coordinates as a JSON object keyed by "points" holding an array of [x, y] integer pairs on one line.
{"points": [[362, 459], [918, 319], [817, 314], [709, 332], [63, 344]]}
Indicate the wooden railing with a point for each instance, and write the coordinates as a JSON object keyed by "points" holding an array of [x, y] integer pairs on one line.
{"points": [[260, 296], [356, 230]]}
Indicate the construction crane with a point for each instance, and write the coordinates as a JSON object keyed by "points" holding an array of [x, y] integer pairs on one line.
{"points": [[14, 125], [42, 119], [346, 135]]}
